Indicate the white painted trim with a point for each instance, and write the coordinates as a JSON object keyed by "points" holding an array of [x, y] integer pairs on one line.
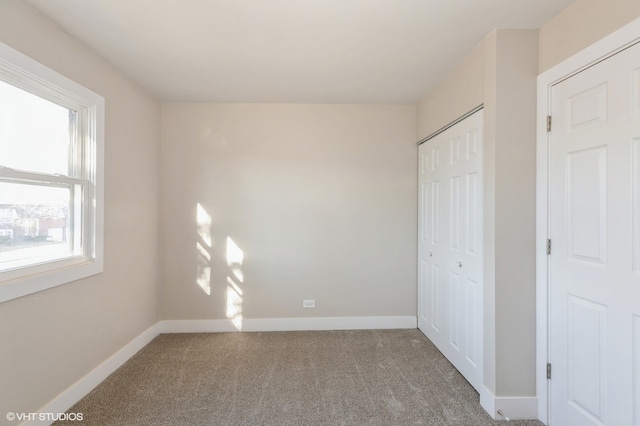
{"points": [[287, 324], [515, 408], [542, 270], [86, 384], [606, 47], [82, 387], [22, 71]]}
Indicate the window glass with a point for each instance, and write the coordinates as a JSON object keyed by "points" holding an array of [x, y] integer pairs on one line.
{"points": [[35, 134], [35, 224]]}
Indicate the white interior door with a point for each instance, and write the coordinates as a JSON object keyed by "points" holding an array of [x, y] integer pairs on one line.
{"points": [[594, 266], [450, 244]]}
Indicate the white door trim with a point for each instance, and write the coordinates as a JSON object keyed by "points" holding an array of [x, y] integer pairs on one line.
{"points": [[604, 48]]}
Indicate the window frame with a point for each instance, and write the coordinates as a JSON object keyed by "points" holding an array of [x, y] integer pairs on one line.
{"points": [[25, 73]]}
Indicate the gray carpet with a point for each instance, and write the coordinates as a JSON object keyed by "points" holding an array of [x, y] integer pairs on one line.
{"points": [[371, 377]]}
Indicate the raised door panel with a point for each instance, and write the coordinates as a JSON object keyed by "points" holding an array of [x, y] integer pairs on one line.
{"points": [[594, 220]]}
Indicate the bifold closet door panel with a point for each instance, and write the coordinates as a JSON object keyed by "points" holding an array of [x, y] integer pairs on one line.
{"points": [[450, 244]]}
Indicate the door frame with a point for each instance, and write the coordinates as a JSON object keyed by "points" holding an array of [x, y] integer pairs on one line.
{"points": [[597, 52]]}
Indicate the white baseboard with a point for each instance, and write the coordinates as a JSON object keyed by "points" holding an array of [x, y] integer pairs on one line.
{"points": [[82, 387], [513, 408], [287, 324]]}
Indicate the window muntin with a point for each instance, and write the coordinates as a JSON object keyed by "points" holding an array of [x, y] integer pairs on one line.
{"points": [[51, 148]]}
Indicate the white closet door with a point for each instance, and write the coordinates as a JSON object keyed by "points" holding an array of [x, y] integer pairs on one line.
{"points": [[594, 181], [450, 244]]}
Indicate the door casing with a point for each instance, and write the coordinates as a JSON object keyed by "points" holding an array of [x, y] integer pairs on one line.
{"points": [[599, 51]]}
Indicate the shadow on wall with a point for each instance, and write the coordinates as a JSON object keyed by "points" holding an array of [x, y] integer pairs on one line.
{"points": [[234, 258]]}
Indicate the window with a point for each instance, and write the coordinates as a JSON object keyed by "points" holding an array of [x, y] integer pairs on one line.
{"points": [[51, 150]]}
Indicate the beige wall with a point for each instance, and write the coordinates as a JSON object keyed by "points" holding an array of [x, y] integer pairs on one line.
{"points": [[461, 92], [51, 339], [514, 211], [321, 199], [582, 23], [501, 74]]}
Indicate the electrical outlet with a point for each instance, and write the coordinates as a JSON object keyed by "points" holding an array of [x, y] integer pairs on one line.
{"points": [[311, 303]]}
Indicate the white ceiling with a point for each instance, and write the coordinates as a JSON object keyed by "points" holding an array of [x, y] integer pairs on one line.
{"points": [[290, 51]]}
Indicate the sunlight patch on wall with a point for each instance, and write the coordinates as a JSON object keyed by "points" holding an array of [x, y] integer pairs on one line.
{"points": [[204, 269], [203, 248], [234, 303], [204, 224], [235, 259]]}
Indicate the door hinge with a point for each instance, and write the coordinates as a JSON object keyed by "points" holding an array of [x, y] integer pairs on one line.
{"points": [[548, 246], [548, 123], [548, 371]]}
